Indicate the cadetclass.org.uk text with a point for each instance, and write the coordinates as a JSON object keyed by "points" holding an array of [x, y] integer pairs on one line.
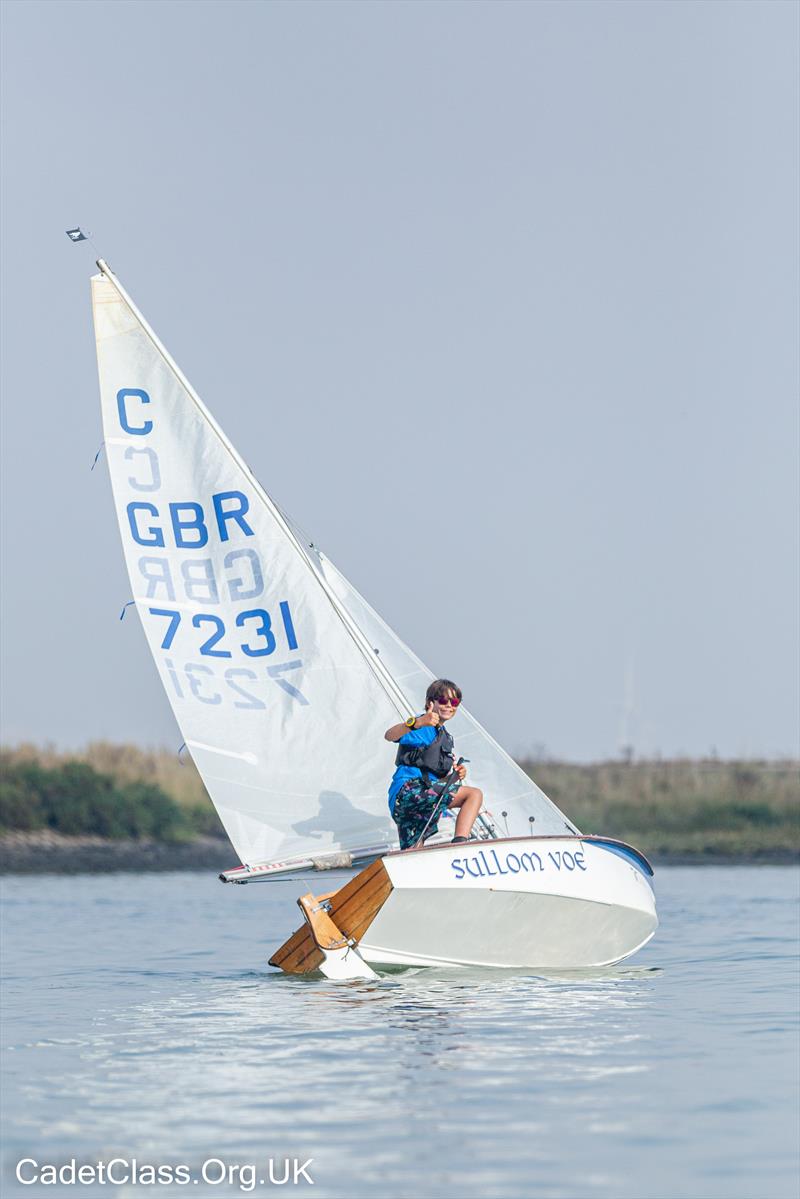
{"points": [[121, 1171]]}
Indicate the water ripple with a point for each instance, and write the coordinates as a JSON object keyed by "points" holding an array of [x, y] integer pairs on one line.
{"points": [[629, 1083]]}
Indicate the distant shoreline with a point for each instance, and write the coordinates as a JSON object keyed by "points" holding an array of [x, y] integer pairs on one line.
{"points": [[119, 807], [53, 853]]}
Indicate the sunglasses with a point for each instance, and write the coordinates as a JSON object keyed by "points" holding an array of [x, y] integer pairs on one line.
{"points": [[444, 700]]}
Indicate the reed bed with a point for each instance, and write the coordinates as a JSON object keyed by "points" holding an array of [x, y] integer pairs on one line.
{"points": [[746, 809], [682, 807]]}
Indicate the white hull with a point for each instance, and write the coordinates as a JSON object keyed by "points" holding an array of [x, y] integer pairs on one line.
{"points": [[534, 902]]}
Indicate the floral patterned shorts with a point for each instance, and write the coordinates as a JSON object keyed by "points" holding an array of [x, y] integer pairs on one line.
{"points": [[414, 806]]}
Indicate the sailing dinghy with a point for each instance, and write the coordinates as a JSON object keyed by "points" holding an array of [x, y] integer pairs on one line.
{"points": [[283, 679]]}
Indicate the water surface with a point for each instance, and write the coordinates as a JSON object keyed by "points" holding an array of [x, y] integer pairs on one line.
{"points": [[140, 1020]]}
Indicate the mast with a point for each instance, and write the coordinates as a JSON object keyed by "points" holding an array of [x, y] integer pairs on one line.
{"points": [[382, 674]]}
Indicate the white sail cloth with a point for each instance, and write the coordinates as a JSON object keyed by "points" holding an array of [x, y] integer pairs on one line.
{"points": [[506, 786], [259, 641]]}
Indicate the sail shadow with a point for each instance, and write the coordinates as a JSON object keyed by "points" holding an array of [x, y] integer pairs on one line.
{"points": [[336, 813]]}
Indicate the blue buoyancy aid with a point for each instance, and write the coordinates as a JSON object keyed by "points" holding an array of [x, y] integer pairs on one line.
{"points": [[433, 759]]}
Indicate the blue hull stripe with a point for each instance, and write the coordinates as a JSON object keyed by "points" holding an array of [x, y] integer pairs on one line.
{"points": [[630, 855]]}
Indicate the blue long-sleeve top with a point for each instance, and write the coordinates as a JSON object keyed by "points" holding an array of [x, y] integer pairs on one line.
{"points": [[402, 774]]}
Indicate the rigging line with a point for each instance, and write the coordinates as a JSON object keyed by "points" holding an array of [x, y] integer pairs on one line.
{"points": [[504, 754], [476, 729], [91, 243], [373, 660]]}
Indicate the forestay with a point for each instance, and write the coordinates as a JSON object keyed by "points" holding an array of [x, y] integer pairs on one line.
{"points": [[267, 654], [506, 786]]}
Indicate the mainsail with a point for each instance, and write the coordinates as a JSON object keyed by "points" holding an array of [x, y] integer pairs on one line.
{"points": [[280, 675]]}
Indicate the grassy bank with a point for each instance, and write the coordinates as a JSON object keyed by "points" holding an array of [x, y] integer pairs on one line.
{"points": [[681, 809], [114, 791]]}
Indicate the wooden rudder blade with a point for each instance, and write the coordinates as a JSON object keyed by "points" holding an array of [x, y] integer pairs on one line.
{"points": [[352, 909], [300, 954]]}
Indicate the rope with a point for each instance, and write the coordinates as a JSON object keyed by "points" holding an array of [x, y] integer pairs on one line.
{"points": [[441, 803]]}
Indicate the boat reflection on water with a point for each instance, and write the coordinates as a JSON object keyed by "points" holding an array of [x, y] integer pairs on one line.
{"points": [[618, 1083], [579, 1015], [344, 1072]]}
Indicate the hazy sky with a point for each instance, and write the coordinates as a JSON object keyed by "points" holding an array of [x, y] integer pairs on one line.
{"points": [[498, 300]]}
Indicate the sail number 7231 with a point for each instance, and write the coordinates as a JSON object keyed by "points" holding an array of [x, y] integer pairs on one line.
{"points": [[250, 633], [254, 625]]}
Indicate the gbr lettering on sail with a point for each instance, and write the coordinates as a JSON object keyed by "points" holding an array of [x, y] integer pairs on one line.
{"points": [[201, 579]]}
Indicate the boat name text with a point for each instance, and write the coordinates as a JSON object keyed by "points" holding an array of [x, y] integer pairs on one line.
{"points": [[530, 862]]}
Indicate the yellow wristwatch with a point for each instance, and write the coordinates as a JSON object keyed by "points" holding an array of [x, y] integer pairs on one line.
{"points": [[412, 720]]}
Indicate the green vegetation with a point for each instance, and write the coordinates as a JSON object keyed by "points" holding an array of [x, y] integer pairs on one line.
{"points": [[747, 809], [695, 809], [108, 791]]}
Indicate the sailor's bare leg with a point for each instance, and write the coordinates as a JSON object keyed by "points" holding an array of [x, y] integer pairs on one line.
{"points": [[468, 800]]}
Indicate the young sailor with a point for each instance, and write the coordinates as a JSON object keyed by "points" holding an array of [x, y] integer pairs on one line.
{"points": [[424, 762]]}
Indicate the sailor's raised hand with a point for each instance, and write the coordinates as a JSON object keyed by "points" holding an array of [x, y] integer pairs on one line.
{"points": [[431, 716]]}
